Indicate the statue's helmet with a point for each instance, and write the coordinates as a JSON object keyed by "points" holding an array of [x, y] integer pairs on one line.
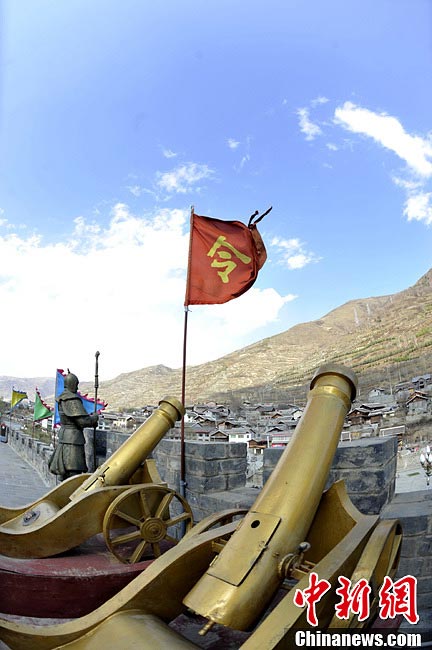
{"points": [[71, 382]]}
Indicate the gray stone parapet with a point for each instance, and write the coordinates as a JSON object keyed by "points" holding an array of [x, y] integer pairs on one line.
{"points": [[368, 467], [210, 468], [35, 452], [414, 511]]}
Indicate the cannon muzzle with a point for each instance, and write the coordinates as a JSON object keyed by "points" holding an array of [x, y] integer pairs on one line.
{"points": [[243, 578], [124, 462]]}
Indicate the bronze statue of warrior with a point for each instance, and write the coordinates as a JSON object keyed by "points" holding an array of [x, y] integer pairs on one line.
{"points": [[68, 458]]}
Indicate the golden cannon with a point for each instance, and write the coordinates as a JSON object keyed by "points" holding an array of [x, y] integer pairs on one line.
{"points": [[124, 498], [245, 575]]}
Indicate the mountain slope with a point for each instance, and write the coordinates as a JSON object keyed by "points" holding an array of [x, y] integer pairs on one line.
{"points": [[363, 334], [44, 384]]}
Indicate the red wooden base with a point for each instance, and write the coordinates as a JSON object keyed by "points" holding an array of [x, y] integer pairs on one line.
{"points": [[65, 586]]}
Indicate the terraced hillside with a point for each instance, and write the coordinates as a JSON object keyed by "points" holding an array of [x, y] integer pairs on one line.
{"points": [[366, 335]]}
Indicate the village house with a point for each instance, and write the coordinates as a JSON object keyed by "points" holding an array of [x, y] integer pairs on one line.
{"points": [[232, 423], [280, 439], [261, 425], [106, 421], [418, 404], [240, 434], [399, 431], [381, 396], [126, 422], [257, 413], [287, 412], [370, 413], [257, 446], [423, 382], [205, 420]]}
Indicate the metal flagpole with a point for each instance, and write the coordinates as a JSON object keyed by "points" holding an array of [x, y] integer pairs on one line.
{"points": [[53, 431], [10, 414], [183, 397], [183, 387], [54, 413], [96, 386]]}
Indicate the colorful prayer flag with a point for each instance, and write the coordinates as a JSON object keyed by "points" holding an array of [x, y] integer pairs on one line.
{"points": [[224, 260], [17, 397], [41, 409]]}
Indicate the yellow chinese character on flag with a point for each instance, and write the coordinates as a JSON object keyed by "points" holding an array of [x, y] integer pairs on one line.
{"points": [[225, 261]]}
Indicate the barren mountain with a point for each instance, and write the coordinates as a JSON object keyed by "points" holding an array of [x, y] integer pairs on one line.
{"points": [[384, 339], [44, 384], [367, 335]]}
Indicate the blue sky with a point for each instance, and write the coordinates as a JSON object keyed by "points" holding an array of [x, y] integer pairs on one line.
{"points": [[116, 117]]}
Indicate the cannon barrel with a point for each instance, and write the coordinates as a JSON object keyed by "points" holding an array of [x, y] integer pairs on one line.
{"points": [[124, 462], [247, 573]]}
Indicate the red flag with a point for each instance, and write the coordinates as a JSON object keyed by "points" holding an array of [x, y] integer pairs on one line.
{"points": [[224, 260]]}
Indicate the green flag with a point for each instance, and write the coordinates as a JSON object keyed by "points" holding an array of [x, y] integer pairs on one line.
{"points": [[41, 410]]}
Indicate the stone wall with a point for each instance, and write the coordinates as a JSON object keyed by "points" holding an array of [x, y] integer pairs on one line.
{"points": [[34, 452], [38, 453], [209, 468], [368, 466], [216, 472], [414, 511]]}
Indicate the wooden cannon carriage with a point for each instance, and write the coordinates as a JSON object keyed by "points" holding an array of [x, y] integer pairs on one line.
{"points": [[124, 498], [243, 576]]}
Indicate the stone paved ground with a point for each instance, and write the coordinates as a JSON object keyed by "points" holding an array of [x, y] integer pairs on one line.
{"points": [[20, 484], [19, 481], [410, 475]]}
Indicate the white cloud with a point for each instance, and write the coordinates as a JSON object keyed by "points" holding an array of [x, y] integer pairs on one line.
{"points": [[168, 153], [331, 146], [245, 159], [418, 204], [414, 150], [136, 190], [5, 223], [233, 144], [184, 178], [236, 320], [388, 131], [293, 253], [406, 184], [418, 207], [118, 288], [309, 128], [319, 100]]}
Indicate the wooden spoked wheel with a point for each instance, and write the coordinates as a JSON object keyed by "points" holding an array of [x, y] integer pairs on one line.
{"points": [[380, 558], [144, 521]]}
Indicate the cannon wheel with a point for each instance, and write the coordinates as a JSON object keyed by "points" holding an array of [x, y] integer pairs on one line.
{"points": [[140, 519]]}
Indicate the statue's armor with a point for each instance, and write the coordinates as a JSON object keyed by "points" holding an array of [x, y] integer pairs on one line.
{"points": [[68, 457], [73, 418]]}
